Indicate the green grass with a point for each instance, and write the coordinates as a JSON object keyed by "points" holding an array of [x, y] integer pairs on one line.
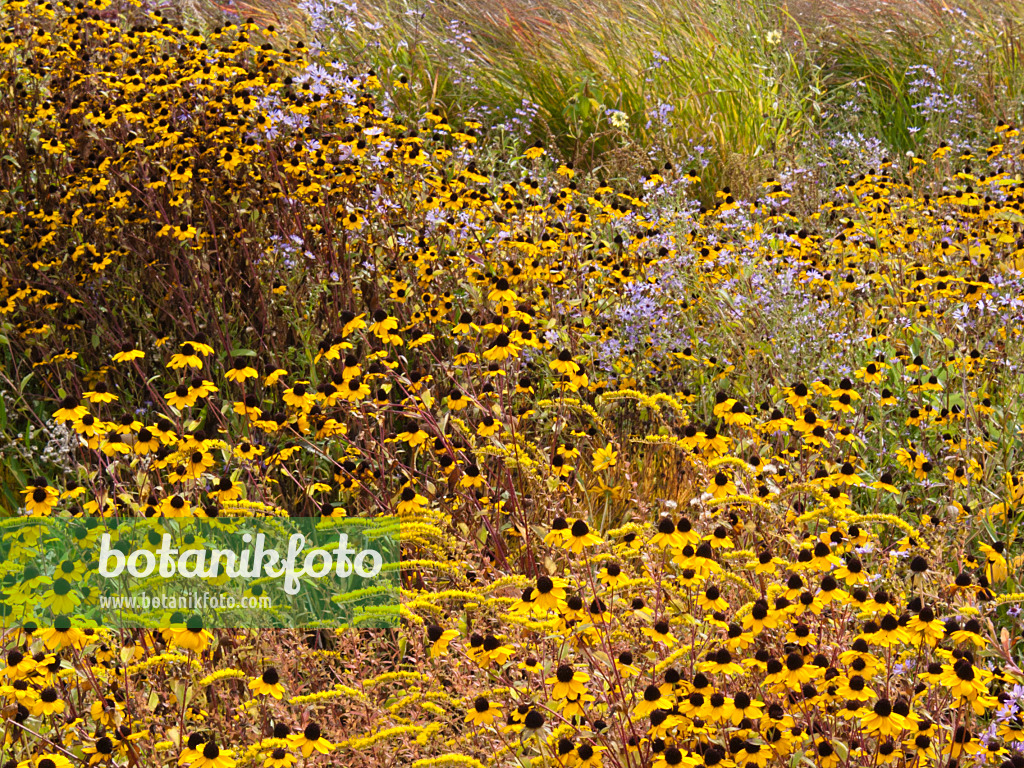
{"points": [[757, 84]]}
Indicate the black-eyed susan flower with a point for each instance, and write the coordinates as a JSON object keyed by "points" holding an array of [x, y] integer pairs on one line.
{"points": [[127, 353], [611, 576], [559, 532], [192, 636], [197, 463], [298, 396], [501, 349], [100, 394], [605, 458], [667, 537], [535, 151], [146, 442], [47, 760], [274, 376], [267, 684], [548, 593], [482, 712], [240, 371], [212, 756], [996, 566], [439, 639], [48, 703], [564, 364], [625, 667], [63, 635], [410, 502], [925, 628], [383, 325], [310, 740], [488, 426], [61, 596], [567, 682], [100, 752], [673, 757], [280, 758], [721, 485], [493, 652], [502, 292], [40, 498], [882, 720], [70, 410], [652, 700], [660, 632], [181, 397], [189, 356], [580, 536]]}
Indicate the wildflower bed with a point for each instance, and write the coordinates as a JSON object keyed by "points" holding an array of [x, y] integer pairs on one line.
{"points": [[680, 484]]}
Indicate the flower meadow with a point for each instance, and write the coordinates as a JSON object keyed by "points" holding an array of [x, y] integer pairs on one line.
{"points": [[686, 477]]}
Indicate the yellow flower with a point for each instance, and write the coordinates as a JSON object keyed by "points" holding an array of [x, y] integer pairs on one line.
{"points": [[564, 364], [188, 357], [193, 637], [413, 438], [502, 292], [63, 635], [279, 758], [311, 740], [70, 410], [567, 682], [299, 397], [48, 703], [661, 632], [352, 322], [580, 537], [605, 458], [128, 353], [483, 712], [181, 232], [996, 566], [439, 640], [501, 349], [267, 684], [61, 598], [352, 221], [47, 760], [273, 376], [40, 498], [101, 394], [721, 486], [882, 721], [240, 371], [534, 152], [411, 502], [214, 757], [488, 426], [383, 325]]}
